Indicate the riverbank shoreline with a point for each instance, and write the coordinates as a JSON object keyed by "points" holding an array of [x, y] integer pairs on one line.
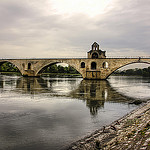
{"points": [[132, 131]]}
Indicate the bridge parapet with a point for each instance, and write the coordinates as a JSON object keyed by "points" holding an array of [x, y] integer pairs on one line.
{"points": [[88, 68]]}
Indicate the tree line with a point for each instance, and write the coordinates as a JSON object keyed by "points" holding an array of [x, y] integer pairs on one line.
{"points": [[132, 72], [60, 69]]}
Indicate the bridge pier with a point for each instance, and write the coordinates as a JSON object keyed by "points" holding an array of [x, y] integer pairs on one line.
{"points": [[30, 73], [95, 75]]}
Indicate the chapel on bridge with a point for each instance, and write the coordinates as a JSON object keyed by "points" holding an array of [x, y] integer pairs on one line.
{"points": [[95, 52]]}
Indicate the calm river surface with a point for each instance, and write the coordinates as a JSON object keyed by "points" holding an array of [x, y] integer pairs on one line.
{"points": [[50, 113]]}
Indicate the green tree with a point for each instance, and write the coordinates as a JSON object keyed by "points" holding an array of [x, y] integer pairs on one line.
{"points": [[60, 69], [141, 72], [8, 67]]}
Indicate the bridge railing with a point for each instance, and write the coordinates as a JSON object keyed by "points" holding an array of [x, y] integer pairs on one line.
{"points": [[128, 57], [108, 57]]}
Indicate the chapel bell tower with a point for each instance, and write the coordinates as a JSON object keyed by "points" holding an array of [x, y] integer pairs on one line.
{"points": [[95, 52]]}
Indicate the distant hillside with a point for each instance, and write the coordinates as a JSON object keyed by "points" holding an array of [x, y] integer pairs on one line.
{"points": [[132, 72]]}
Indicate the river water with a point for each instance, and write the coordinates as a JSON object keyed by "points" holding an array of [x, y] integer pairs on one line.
{"points": [[50, 113]]}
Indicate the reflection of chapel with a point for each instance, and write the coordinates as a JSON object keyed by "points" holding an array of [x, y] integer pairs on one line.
{"points": [[96, 52]]}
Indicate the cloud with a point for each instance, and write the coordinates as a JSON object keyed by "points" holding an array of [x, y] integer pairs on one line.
{"points": [[34, 29]]}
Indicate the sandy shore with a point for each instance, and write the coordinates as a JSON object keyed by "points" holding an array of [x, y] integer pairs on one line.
{"points": [[131, 132]]}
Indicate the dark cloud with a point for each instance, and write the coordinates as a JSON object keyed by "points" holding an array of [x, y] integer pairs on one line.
{"points": [[11, 12], [29, 26]]}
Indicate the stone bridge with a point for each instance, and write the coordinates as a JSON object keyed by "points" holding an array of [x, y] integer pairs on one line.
{"points": [[96, 66]]}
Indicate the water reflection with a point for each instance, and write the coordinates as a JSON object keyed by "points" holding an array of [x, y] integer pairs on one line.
{"points": [[1, 84], [51, 86], [31, 85], [93, 92], [48, 113]]}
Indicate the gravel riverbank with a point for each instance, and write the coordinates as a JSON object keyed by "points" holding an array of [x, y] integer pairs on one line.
{"points": [[131, 132]]}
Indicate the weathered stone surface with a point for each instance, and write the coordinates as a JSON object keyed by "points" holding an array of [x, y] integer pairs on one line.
{"points": [[33, 67]]}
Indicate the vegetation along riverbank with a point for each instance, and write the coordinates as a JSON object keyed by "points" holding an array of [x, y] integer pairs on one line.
{"points": [[131, 132], [145, 72]]}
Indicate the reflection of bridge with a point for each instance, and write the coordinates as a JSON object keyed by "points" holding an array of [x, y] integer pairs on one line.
{"points": [[94, 92], [96, 66]]}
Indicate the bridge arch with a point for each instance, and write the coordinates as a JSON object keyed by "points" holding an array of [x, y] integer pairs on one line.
{"points": [[14, 64], [43, 67], [113, 70]]}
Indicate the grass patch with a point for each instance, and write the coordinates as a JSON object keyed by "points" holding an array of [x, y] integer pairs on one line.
{"points": [[10, 73], [130, 122], [147, 127]]}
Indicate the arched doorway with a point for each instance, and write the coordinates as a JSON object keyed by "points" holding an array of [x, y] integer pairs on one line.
{"points": [[23, 65], [29, 66], [93, 65], [82, 65]]}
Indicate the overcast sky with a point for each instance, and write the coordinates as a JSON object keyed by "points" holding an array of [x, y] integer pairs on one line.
{"points": [[67, 28]]}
